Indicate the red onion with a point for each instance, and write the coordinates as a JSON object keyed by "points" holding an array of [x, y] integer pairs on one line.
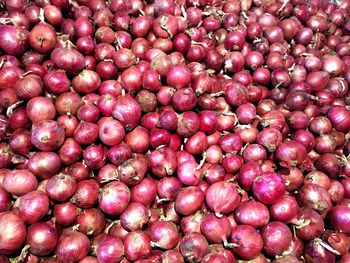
{"points": [[44, 164], [284, 209], [134, 217], [72, 246], [277, 237], [15, 40], [29, 86], [268, 187], [222, 198], [178, 77], [337, 241], [5, 201], [114, 198], [339, 118], [19, 182], [91, 222], [127, 111], [164, 234], [194, 247], [290, 153], [86, 195], [315, 251], [309, 224], [248, 240], [252, 213], [338, 217], [42, 38], [60, 187], [32, 206], [216, 230], [132, 171], [42, 238], [95, 156], [47, 135], [184, 201], [144, 192], [13, 233], [316, 197], [68, 59], [137, 245], [109, 249], [65, 214], [70, 152]]}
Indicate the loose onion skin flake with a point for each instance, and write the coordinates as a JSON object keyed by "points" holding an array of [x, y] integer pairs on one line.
{"points": [[174, 131]]}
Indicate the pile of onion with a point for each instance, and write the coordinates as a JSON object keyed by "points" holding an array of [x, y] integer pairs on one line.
{"points": [[174, 131]]}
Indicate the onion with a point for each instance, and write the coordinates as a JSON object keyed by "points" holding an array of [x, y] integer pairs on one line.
{"points": [[110, 249], [114, 198], [315, 251], [137, 245], [189, 130], [252, 213], [10, 240], [42, 238], [309, 224], [222, 198], [316, 197], [134, 217], [68, 59], [29, 86], [15, 40], [44, 164], [86, 195], [194, 247], [184, 201], [164, 234], [19, 182], [284, 209], [268, 187], [72, 246], [216, 230], [144, 192], [60, 187], [91, 222], [47, 135], [32, 206], [86, 82], [338, 217], [65, 214], [277, 237], [127, 111], [339, 118], [42, 38], [5, 199], [291, 153], [337, 241], [249, 242]]}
